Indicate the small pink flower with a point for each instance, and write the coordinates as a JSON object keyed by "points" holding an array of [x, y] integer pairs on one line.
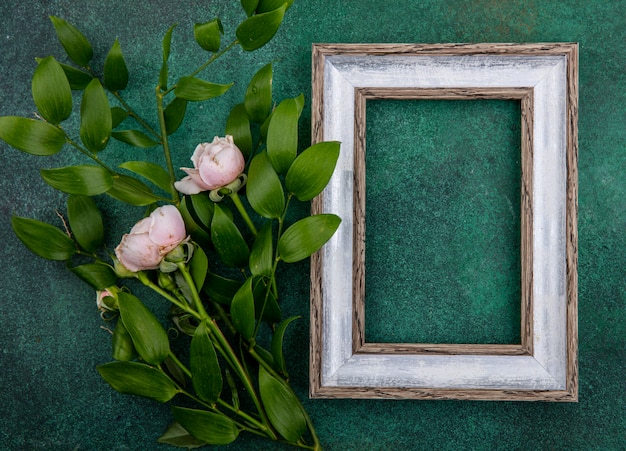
{"points": [[151, 239], [100, 295], [216, 164]]}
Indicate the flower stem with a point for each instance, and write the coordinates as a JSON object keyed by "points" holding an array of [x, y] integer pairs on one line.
{"points": [[134, 115], [165, 143]]}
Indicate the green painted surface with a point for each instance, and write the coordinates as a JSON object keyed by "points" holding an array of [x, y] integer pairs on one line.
{"points": [[50, 336]]}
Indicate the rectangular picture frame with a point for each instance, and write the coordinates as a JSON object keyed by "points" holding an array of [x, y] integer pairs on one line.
{"points": [[544, 366]]}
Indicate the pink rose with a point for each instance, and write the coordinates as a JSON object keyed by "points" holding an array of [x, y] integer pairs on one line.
{"points": [[151, 239], [215, 164]]}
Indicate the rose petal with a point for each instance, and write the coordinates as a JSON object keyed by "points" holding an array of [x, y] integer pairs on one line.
{"points": [[167, 229], [192, 184], [137, 252]]}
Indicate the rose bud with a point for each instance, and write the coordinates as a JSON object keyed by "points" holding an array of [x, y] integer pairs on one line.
{"points": [[151, 239], [104, 304], [216, 164]]}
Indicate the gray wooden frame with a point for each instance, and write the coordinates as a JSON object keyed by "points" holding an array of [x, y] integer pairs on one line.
{"points": [[544, 78]]}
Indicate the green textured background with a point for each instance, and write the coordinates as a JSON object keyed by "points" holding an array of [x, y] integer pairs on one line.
{"points": [[50, 338]]}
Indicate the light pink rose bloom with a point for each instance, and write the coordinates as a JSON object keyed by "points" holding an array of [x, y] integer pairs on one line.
{"points": [[215, 164], [151, 239]]}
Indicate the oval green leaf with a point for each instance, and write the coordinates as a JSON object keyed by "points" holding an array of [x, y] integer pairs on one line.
{"points": [[265, 304], [262, 252], [277, 344], [238, 126], [115, 69], [31, 136], [73, 41], [77, 79], [198, 267], [195, 89], [132, 191], [176, 435], [211, 428], [282, 407], [134, 138], [282, 135], [151, 171], [118, 115], [95, 117], [43, 239], [98, 275], [122, 344], [85, 222], [205, 368], [174, 114], [149, 336], [306, 236], [138, 379], [227, 239], [258, 98], [166, 44], [258, 30], [51, 91], [264, 189], [86, 179], [249, 6], [209, 34], [270, 5], [221, 289], [242, 310], [312, 169], [192, 224]]}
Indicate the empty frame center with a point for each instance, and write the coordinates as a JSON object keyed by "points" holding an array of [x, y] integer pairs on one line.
{"points": [[443, 179]]}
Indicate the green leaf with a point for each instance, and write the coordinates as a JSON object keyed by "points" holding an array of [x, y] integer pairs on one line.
{"points": [[264, 189], [149, 337], [51, 91], [167, 42], [174, 114], [282, 407], [277, 344], [192, 223], [220, 289], [73, 41], [122, 344], [132, 191], [115, 70], [226, 237], [209, 34], [282, 135], [134, 138], [238, 126], [31, 136], [98, 275], [262, 253], [95, 117], [205, 368], [258, 30], [118, 115], [270, 5], [242, 310], [43, 239], [151, 171], [312, 169], [249, 6], [195, 89], [211, 428], [306, 236], [85, 222], [77, 79], [85, 179], [176, 435], [204, 208], [199, 266], [265, 303], [258, 98], [138, 379]]}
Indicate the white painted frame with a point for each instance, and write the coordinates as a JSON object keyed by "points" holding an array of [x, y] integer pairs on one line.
{"points": [[545, 369]]}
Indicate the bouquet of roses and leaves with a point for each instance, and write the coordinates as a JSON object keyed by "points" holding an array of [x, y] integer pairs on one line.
{"points": [[233, 214]]}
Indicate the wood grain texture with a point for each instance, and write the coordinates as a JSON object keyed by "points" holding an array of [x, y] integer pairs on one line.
{"points": [[321, 383]]}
